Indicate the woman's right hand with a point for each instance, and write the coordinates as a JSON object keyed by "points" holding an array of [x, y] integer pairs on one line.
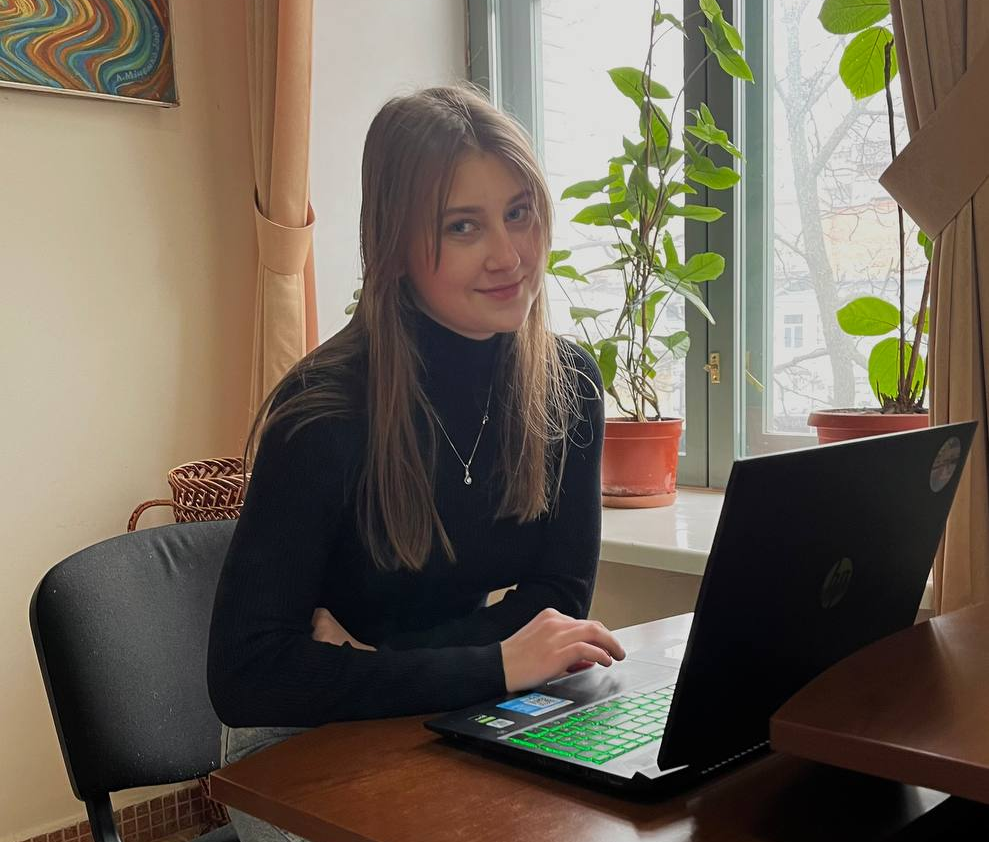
{"points": [[550, 644]]}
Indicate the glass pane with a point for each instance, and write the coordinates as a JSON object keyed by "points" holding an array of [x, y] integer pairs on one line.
{"points": [[822, 232], [584, 119]]}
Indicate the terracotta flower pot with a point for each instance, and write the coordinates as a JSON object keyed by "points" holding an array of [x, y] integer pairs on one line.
{"points": [[639, 467], [844, 424]]}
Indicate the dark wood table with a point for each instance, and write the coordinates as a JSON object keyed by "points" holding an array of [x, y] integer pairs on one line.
{"points": [[912, 707], [393, 781]]}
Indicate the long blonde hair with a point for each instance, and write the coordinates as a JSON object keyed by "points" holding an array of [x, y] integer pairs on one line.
{"points": [[372, 366]]}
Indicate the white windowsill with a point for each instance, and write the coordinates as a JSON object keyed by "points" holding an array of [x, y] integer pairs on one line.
{"points": [[676, 538]]}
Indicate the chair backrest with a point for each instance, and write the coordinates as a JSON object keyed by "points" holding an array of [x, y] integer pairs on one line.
{"points": [[121, 631]]}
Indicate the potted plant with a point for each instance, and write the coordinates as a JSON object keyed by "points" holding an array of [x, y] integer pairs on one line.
{"points": [[640, 199], [897, 366]]}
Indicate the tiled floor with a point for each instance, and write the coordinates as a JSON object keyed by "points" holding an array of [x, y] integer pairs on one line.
{"points": [[176, 817]]}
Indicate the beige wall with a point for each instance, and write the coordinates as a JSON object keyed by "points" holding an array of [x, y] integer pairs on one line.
{"points": [[126, 272]]}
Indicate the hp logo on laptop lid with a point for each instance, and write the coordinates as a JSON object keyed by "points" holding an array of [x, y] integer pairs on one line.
{"points": [[836, 583]]}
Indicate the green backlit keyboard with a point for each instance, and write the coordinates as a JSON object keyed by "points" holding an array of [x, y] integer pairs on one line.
{"points": [[603, 732]]}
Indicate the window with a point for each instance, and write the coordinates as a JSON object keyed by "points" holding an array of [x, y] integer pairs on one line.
{"points": [[581, 41], [793, 331], [825, 231], [807, 229]]}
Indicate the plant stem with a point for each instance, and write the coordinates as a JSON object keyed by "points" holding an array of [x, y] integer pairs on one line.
{"points": [[902, 398], [918, 334]]}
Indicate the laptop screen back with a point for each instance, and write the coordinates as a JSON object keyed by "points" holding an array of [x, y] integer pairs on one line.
{"points": [[818, 553]]}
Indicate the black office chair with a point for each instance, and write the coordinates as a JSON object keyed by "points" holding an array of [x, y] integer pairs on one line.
{"points": [[121, 630]]}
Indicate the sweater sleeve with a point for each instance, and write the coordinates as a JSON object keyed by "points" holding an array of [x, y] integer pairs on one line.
{"points": [[564, 574], [264, 668]]}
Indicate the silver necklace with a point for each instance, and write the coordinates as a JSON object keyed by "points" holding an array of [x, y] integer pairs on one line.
{"points": [[484, 421]]}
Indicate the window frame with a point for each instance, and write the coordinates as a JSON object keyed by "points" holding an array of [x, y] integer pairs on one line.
{"points": [[504, 58]]}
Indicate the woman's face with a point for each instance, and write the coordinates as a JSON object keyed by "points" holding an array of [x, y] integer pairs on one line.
{"points": [[491, 255]]}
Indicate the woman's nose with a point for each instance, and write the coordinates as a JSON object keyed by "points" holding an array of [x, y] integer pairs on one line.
{"points": [[502, 256]]}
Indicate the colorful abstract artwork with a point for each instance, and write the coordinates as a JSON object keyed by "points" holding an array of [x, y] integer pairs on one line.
{"points": [[102, 48]]}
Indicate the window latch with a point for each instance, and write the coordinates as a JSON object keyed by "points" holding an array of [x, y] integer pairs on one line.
{"points": [[713, 368]]}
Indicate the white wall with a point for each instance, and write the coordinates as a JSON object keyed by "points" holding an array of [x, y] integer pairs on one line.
{"points": [[365, 54], [127, 275]]}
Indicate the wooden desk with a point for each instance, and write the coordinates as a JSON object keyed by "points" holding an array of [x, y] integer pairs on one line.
{"points": [[913, 707], [394, 781]]}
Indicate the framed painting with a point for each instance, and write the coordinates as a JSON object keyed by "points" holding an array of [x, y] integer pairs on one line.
{"points": [[111, 49]]}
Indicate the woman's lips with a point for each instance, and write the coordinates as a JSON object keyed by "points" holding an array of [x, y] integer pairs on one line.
{"points": [[502, 293]]}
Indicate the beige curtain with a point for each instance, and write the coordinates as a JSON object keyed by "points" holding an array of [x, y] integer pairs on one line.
{"points": [[940, 179], [279, 50]]}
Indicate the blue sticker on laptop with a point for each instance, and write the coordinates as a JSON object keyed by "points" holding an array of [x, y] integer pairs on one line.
{"points": [[535, 704]]}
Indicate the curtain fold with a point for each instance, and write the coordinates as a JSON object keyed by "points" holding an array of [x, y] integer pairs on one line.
{"points": [[279, 40], [941, 179]]}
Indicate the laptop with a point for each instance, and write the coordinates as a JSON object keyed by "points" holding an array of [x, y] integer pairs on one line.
{"points": [[818, 553]]}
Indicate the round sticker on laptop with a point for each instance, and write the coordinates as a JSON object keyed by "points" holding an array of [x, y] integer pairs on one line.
{"points": [[945, 463]]}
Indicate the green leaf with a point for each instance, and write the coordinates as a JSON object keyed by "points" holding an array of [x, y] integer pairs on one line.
{"points": [[705, 171], [635, 152], [616, 192], [620, 337], [659, 18], [676, 343], [927, 321], [654, 124], [605, 213], [710, 8], [884, 362], [730, 60], [693, 295], [868, 316], [672, 156], [712, 11], [620, 263], [651, 302], [578, 314], [689, 291], [556, 256], [641, 191], [675, 188], [357, 295], [589, 348], [698, 212], [628, 80], [842, 17], [670, 251], [585, 189], [607, 361], [349, 309], [927, 243], [561, 271], [712, 134], [705, 266], [863, 63]]}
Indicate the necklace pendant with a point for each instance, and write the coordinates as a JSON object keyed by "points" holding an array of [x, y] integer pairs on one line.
{"points": [[467, 477]]}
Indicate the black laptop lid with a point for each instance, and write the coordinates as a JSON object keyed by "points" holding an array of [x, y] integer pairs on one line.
{"points": [[818, 553]]}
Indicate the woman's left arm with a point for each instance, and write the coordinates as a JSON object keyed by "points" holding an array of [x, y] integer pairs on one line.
{"points": [[564, 575]]}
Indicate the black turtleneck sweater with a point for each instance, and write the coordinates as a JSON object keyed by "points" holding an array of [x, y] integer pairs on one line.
{"points": [[296, 547]]}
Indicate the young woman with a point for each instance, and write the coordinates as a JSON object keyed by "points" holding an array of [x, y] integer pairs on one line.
{"points": [[443, 445]]}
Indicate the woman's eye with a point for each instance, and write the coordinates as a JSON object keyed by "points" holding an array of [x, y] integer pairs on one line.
{"points": [[519, 214], [461, 226]]}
